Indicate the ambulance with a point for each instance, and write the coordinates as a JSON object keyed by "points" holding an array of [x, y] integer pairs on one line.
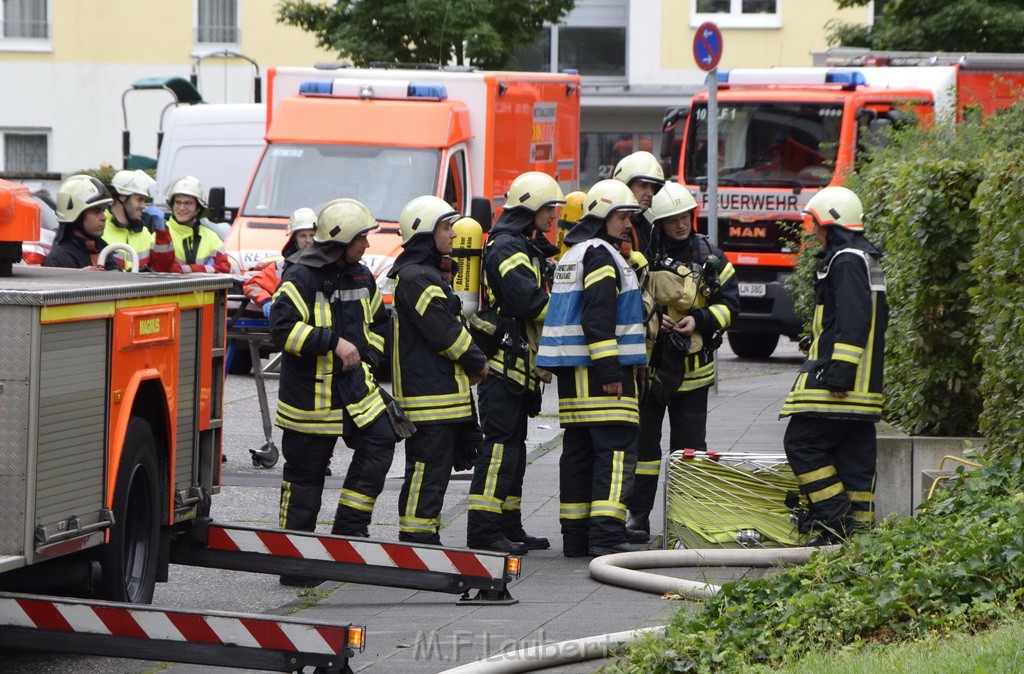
{"points": [[385, 136], [785, 133]]}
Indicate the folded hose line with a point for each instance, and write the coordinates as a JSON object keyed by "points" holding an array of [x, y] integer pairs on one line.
{"points": [[622, 568]]}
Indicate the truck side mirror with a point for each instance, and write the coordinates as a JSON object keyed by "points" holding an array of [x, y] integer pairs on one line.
{"points": [[480, 210], [215, 202]]}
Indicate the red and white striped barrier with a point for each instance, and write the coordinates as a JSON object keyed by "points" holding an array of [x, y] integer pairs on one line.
{"points": [[111, 619], [412, 557]]}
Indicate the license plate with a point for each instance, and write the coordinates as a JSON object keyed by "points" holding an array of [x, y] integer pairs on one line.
{"points": [[752, 290]]}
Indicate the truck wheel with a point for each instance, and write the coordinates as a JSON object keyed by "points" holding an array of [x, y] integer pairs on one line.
{"points": [[753, 345], [129, 560]]}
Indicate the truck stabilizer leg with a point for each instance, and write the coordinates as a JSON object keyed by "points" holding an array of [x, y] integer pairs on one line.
{"points": [[351, 559], [219, 638]]}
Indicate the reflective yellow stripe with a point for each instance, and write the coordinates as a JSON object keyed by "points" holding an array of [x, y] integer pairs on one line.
{"points": [[486, 504], [601, 273], [493, 468], [418, 525], [461, 346], [721, 314], [356, 501], [826, 493], [848, 353], [429, 293], [367, 409], [612, 509], [286, 499], [297, 338], [573, 511], [648, 467], [408, 517], [289, 290], [815, 475], [517, 259], [861, 496], [604, 349], [615, 486], [864, 375], [512, 503], [727, 272]]}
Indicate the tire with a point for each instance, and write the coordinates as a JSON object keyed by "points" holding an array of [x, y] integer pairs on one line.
{"points": [[241, 359], [753, 345], [129, 560]]}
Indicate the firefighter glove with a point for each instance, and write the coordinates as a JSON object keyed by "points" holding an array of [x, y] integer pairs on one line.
{"points": [[266, 309]]}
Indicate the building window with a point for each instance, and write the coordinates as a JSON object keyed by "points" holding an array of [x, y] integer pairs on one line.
{"points": [[217, 22], [25, 25], [591, 39], [737, 13], [25, 152]]}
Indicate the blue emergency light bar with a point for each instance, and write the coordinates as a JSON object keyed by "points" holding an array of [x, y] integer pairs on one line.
{"points": [[389, 89], [848, 79]]}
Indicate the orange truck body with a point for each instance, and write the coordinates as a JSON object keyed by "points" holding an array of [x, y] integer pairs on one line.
{"points": [[365, 134], [784, 134]]}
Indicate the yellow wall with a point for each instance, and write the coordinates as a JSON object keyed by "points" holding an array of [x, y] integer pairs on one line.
{"points": [[803, 30], [137, 31]]}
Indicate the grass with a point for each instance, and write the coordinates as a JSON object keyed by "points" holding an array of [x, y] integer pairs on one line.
{"points": [[995, 651]]}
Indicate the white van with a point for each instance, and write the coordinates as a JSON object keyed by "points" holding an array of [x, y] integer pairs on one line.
{"points": [[218, 143]]}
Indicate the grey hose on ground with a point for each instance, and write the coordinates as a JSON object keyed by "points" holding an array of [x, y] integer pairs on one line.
{"points": [[622, 569]]}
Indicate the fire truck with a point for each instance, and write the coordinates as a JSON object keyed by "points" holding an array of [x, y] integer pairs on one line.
{"points": [[785, 133], [386, 136], [111, 398]]}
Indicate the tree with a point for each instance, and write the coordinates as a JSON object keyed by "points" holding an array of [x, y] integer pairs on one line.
{"points": [[483, 33], [936, 25]]}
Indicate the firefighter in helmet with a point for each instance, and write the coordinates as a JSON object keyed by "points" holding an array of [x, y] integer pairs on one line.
{"points": [[514, 271], [260, 287], [187, 242], [328, 319], [81, 202], [642, 173], [434, 364], [593, 339], [131, 216], [696, 296], [837, 396]]}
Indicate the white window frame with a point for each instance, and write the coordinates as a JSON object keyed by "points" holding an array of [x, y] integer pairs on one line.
{"points": [[24, 131], [201, 48], [735, 18], [29, 44]]}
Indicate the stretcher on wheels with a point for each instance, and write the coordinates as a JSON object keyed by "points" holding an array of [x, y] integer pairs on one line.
{"points": [[729, 500]]}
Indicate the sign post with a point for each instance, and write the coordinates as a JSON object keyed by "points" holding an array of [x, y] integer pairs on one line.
{"points": [[707, 52]]}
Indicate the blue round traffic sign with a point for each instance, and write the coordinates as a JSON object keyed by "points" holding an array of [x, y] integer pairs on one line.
{"points": [[707, 46]]}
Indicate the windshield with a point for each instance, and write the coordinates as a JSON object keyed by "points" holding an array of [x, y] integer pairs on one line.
{"points": [[766, 144], [294, 175]]}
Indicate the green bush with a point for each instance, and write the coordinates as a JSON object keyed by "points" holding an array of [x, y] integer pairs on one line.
{"points": [[959, 568], [998, 299]]}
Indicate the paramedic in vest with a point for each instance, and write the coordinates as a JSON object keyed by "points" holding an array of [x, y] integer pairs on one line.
{"points": [[513, 265], [260, 287], [681, 380], [81, 211], [186, 243], [328, 319], [433, 366], [127, 216], [837, 397], [642, 173], [593, 339]]}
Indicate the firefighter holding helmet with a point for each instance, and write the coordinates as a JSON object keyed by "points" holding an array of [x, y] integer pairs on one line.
{"points": [[434, 364], [328, 319], [837, 397], [186, 243], [593, 339], [130, 216], [696, 295], [81, 202], [514, 269], [260, 287]]}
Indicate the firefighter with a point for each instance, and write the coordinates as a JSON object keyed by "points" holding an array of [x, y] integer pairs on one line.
{"points": [[186, 243], [260, 287], [694, 287], [81, 201], [644, 176], [434, 364], [128, 216], [593, 338], [328, 319], [514, 271], [837, 397]]}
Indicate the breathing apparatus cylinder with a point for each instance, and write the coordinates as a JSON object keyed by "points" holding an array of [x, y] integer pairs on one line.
{"points": [[467, 251]]}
